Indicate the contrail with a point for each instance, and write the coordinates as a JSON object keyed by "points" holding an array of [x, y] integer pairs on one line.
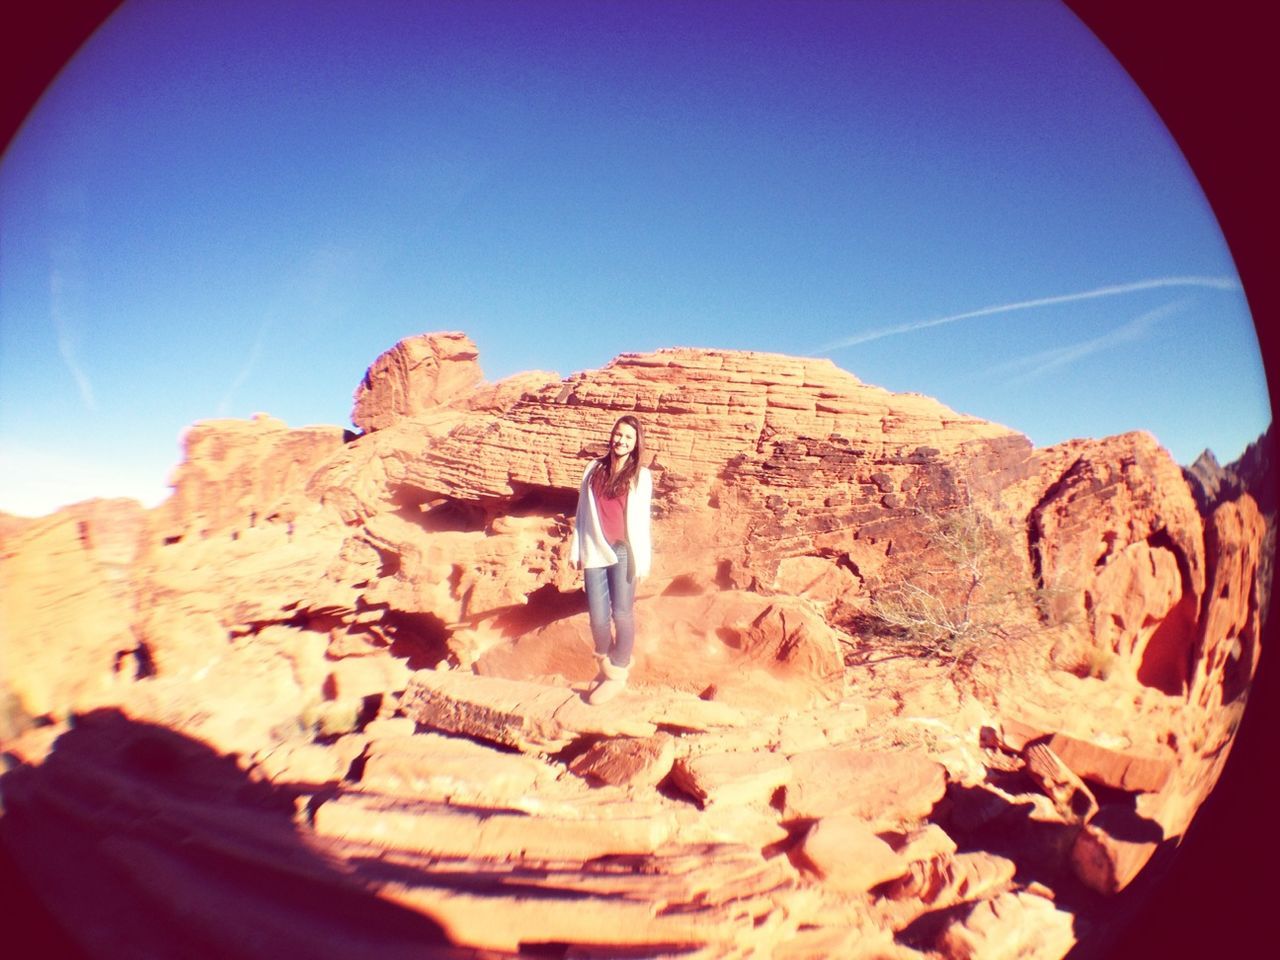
{"points": [[1215, 283], [66, 343], [313, 284], [255, 352], [1035, 364]]}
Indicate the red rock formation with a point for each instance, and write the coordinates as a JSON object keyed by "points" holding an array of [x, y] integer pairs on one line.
{"points": [[238, 473], [381, 637], [1228, 641], [1120, 546], [416, 376]]}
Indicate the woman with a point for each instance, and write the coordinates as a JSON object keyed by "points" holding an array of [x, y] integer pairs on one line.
{"points": [[611, 545]]}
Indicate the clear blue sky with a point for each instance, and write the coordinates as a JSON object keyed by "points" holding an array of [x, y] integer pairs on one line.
{"points": [[223, 208]]}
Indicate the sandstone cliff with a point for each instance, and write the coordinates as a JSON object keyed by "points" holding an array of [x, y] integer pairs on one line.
{"points": [[334, 682]]}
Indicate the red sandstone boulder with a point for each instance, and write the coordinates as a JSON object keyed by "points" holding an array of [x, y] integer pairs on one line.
{"points": [[846, 852], [882, 788], [1113, 847], [418, 374], [627, 761], [1121, 770], [1019, 925], [1119, 546], [729, 778]]}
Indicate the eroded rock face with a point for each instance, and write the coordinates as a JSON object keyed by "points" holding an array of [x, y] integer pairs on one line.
{"points": [[1119, 543], [415, 376], [377, 644], [793, 456], [1230, 629], [236, 474]]}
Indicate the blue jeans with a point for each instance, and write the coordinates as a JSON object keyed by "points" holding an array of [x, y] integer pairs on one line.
{"points": [[609, 590]]}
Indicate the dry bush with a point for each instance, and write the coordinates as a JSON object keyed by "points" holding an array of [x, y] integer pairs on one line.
{"points": [[970, 586]]}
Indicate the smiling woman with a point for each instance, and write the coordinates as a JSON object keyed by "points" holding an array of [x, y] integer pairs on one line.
{"points": [[611, 545]]}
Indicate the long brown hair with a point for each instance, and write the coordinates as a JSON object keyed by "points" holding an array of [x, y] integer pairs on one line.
{"points": [[626, 477]]}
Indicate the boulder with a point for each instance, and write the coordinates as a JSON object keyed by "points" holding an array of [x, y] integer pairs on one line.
{"points": [[364, 676], [538, 718], [1113, 847], [883, 788], [846, 852], [731, 778], [1012, 925], [948, 878], [1120, 769], [627, 761], [1119, 546], [417, 375]]}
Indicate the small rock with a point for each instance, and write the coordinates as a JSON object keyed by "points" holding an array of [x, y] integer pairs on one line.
{"points": [[1113, 848], [627, 761], [731, 777], [886, 788], [848, 855]]}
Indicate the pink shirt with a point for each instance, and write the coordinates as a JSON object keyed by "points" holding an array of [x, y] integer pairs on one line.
{"points": [[611, 510]]}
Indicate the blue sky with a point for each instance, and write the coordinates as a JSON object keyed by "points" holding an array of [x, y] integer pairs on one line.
{"points": [[219, 209]]}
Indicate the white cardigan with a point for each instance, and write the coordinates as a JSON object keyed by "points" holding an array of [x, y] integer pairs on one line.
{"points": [[588, 546]]}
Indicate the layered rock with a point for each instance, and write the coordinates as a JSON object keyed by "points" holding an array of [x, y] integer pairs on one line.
{"points": [[236, 474], [416, 376], [379, 641]]}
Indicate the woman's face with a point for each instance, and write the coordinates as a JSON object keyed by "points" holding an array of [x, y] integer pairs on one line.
{"points": [[623, 439]]}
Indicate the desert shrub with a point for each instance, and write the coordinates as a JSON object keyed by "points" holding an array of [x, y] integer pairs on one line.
{"points": [[968, 584]]}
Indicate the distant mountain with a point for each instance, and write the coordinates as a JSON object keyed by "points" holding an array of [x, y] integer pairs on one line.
{"points": [[1252, 473]]}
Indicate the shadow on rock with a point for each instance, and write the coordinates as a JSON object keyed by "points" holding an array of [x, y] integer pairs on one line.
{"points": [[981, 819], [143, 842]]}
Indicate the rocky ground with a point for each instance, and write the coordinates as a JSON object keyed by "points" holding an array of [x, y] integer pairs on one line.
{"points": [[328, 699]]}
